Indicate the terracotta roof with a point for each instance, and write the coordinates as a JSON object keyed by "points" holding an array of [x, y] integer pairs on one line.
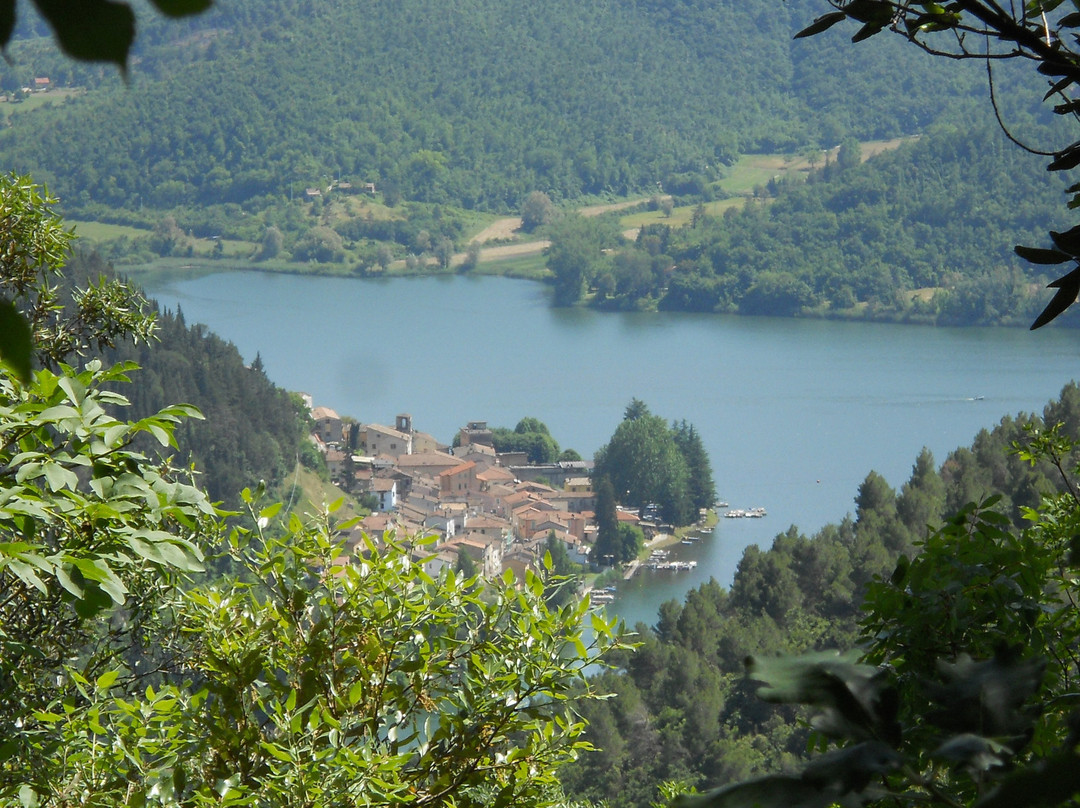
{"points": [[477, 540], [495, 474], [458, 469], [478, 522], [428, 459]]}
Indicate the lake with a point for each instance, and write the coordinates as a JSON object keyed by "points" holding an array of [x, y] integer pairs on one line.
{"points": [[794, 413]]}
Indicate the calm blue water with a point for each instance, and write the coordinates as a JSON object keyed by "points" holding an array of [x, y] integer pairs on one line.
{"points": [[794, 413]]}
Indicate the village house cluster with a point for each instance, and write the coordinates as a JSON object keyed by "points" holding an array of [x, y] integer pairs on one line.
{"points": [[496, 507]]}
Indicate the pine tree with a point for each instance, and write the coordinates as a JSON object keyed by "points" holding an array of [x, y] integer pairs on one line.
{"points": [[702, 489], [608, 545]]}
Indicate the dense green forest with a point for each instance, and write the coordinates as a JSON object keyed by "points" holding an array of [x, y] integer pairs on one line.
{"points": [[230, 117], [683, 709], [924, 233], [473, 103]]}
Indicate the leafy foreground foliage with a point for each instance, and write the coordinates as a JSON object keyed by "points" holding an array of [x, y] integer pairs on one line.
{"points": [[55, 306], [309, 678], [92, 532], [965, 692], [38, 319]]}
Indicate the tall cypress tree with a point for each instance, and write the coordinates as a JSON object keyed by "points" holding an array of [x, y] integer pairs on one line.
{"points": [[608, 547], [702, 489]]}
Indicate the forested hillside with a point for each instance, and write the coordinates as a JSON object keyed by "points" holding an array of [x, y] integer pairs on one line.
{"points": [[941, 215], [252, 430], [683, 709], [471, 102], [924, 233]]}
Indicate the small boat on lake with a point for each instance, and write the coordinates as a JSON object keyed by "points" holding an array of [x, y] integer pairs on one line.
{"points": [[744, 513]]}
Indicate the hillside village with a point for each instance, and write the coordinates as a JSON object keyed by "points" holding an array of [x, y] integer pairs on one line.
{"points": [[496, 507]]}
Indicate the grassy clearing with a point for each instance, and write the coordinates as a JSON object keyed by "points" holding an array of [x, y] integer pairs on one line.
{"points": [[34, 101], [530, 267], [926, 293], [309, 494], [202, 247], [752, 171], [679, 216], [229, 248], [100, 231]]}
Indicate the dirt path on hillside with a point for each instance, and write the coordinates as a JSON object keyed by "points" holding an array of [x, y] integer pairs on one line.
{"points": [[506, 229], [596, 210], [498, 230]]}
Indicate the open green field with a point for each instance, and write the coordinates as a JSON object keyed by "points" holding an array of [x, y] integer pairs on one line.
{"points": [[100, 231], [35, 101], [531, 267], [681, 215], [752, 171]]}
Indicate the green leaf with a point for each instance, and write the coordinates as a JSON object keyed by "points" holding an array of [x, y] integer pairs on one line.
{"points": [[1055, 88], [1068, 241], [974, 752], [16, 341], [164, 437], [356, 692], [1068, 287], [7, 21], [96, 569], [1066, 158], [28, 798], [822, 23], [1054, 781], [276, 751], [867, 31], [105, 681], [114, 434], [876, 12], [988, 698], [66, 580], [91, 30], [59, 477], [1037, 255], [270, 511], [58, 413], [182, 8], [93, 602], [853, 700], [773, 791], [27, 574]]}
